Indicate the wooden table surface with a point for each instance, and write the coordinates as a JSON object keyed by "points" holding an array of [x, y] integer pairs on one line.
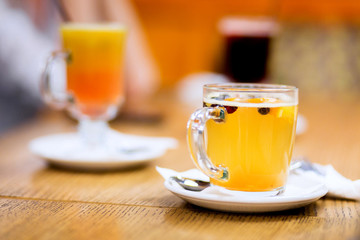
{"points": [[38, 201]]}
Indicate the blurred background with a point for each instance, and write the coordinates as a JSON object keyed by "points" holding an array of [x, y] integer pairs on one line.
{"points": [[316, 47]]}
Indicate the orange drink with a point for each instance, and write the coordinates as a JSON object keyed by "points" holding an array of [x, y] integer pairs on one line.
{"points": [[255, 144], [94, 66], [244, 135]]}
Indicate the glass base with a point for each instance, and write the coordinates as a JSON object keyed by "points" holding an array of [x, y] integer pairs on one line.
{"points": [[272, 193], [94, 113]]}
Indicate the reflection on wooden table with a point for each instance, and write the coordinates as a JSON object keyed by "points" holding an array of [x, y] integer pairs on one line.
{"points": [[38, 201]]}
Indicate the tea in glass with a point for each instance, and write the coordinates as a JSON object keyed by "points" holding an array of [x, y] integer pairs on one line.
{"points": [[244, 136], [255, 143]]}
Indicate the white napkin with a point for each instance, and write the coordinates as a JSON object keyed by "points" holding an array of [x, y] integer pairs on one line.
{"points": [[338, 186]]}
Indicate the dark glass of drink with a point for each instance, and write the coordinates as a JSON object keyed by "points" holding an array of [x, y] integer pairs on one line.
{"points": [[247, 43]]}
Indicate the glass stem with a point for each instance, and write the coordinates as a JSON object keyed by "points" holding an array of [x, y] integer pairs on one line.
{"points": [[93, 132]]}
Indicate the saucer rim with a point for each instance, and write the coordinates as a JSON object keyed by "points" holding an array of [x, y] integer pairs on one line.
{"points": [[247, 204], [97, 165], [321, 191], [91, 164]]}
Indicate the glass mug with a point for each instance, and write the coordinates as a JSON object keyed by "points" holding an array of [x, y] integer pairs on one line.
{"points": [[94, 64], [244, 135]]}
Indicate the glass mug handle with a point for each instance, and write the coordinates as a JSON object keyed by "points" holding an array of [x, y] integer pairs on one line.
{"points": [[196, 127], [58, 101]]}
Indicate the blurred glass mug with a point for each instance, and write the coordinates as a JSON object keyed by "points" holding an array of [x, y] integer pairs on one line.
{"points": [[94, 64], [247, 46], [244, 135]]}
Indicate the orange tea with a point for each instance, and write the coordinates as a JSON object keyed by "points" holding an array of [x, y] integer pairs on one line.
{"points": [[244, 135], [255, 143], [94, 66]]}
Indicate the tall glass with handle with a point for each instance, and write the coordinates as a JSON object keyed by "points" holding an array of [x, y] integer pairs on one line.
{"points": [[244, 135], [95, 87]]}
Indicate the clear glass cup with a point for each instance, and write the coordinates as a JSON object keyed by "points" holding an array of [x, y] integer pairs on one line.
{"points": [[244, 135], [94, 76]]}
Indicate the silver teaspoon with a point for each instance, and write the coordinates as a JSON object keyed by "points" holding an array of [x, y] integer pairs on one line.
{"points": [[190, 184]]}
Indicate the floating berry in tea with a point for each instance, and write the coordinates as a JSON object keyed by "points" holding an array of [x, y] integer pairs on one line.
{"points": [[264, 111], [230, 109]]}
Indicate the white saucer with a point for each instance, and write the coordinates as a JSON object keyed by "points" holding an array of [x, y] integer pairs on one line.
{"points": [[299, 192], [67, 150]]}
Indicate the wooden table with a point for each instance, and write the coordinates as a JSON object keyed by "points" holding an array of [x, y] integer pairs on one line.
{"points": [[41, 202]]}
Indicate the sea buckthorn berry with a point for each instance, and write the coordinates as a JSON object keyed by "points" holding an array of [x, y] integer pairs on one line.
{"points": [[264, 111], [230, 109]]}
